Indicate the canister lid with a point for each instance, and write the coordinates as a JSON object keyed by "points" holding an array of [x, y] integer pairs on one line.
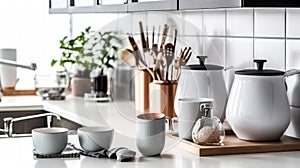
{"points": [[202, 65], [260, 71]]}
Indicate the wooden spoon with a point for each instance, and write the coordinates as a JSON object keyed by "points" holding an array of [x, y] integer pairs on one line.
{"points": [[126, 55]]}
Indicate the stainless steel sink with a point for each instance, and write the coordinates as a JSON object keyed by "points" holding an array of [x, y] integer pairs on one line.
{"points": [[23, 128]]}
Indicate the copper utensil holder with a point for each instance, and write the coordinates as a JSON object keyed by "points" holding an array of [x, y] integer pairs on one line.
{"points": [[142, 80], [162, 96]]}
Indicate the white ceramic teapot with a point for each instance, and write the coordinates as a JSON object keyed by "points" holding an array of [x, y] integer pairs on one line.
{"points": [[203, 81], [258, 107]]}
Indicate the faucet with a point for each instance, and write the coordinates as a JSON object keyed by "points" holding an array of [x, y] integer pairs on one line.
{"points": [[32, 66], [8, 121]]}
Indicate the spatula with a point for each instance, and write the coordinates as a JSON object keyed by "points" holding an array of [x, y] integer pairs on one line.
{"points": [[169, 54]]}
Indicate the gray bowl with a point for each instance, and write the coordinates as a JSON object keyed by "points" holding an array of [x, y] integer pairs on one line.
{"points": [[94, 139], [50, 140]]}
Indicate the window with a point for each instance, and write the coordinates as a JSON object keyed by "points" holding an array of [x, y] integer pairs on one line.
{"points": [[27, 26]]}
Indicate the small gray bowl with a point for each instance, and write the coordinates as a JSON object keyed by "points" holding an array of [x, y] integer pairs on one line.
{"points": [[50, 140], [94, 139]]}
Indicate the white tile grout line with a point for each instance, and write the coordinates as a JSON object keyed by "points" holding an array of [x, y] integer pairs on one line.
{"points": [[202, 27], [71, 25], [285, 35], [220, 36], [253, 35], [226, 33]]}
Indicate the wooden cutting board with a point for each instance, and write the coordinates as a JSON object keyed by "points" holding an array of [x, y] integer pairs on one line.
{"points": [[233, 145], [14, 92]]}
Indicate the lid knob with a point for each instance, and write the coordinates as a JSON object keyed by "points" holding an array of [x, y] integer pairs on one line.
{"points": [[201, 60], [206, 108], [260, 64]]}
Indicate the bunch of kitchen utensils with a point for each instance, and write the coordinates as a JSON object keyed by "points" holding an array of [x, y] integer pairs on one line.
{"points": [[159, 58]]}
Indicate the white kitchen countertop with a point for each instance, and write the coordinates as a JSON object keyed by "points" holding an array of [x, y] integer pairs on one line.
{"points": [[17, 152]]}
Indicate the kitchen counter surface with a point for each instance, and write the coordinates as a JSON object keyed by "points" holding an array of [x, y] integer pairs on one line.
{"points": [[17, 152]]}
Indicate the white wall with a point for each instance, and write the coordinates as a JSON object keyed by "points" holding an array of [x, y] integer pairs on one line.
{"points": [[229, 37]]}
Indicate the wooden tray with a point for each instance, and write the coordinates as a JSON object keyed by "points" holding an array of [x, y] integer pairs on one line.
{"points": [[233, 145]]}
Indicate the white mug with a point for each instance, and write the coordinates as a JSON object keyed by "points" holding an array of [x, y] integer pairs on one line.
{"points": [[189, 112], [150, 133]]}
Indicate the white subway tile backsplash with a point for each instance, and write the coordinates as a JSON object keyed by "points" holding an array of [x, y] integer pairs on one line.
{"points": [[239, 53], [124, 23], [195, 42], [136, 18], [269, 23], [240, 22], [156, 20], [293, 23], [80, 22], [175, 21], [214, 49], [214, 22], [192, 23], [273, 50]]}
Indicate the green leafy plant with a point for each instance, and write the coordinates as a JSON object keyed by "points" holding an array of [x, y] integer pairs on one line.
{"points": [[90, 50]]}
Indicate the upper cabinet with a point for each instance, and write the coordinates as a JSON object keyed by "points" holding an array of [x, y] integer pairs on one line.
{"points": [[107, 6], [87, 6], [206, 4], [152, 5]]}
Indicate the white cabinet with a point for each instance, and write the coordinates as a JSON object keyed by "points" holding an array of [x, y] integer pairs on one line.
{"points": [[204, 4], [108, 6], [98, 6], [87, 6], [152, 5]]}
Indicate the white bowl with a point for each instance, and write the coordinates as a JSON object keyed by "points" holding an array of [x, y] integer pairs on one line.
{"points": [[94, 139], [50, 140]]}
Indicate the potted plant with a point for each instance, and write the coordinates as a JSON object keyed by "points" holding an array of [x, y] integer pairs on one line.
{"points": [[91, 51]]}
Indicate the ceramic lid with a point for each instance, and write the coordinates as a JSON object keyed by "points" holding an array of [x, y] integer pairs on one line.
{"points": [[260, 71], [202, 65]]}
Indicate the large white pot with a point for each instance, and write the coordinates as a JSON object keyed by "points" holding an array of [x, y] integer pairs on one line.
{"points": [[258, 107], [202, 81]]}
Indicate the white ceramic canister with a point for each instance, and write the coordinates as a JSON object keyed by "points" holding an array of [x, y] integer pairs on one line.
{"points": [[8, 74], [202, 80], [258, 107], [293, 84]]}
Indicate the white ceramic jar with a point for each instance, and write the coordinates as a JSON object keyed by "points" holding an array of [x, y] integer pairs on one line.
{"points": [[202, 81], [258, 107]]}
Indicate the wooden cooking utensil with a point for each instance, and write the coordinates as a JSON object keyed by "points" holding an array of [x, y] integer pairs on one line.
{"points": [[184, 56], [136, 51], [147, 39], [164, 36], [154, 46], [127, 56], [175, 38], [144, 43]]}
